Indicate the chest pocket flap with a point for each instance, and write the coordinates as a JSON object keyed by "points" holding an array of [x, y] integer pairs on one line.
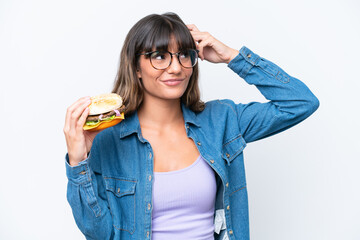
{"points": [[121, 198], [232, 148], [120, 186]]}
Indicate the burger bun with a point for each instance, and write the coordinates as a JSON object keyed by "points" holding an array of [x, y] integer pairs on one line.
{"points": [[104, 103]]}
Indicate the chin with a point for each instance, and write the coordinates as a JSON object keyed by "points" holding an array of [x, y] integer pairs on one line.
{"points": [[171, 95]]}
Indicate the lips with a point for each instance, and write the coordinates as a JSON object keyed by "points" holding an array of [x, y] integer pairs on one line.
{"points": [[172, 82]]}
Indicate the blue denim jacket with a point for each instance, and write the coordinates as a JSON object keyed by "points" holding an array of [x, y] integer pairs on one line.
{"points": [[110, 193]]}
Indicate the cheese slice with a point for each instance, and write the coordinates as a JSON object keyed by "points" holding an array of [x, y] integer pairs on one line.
{"points": [[116, 119]]}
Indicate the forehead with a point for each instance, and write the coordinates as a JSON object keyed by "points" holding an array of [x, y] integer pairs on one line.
{"points": [[172, 46], [170, 41]]}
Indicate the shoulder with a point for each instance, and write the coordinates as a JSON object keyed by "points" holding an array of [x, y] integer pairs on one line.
{"points": [[220, 120], [218, 113], [219, 106]]}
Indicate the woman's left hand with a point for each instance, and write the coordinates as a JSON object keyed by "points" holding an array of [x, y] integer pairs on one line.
{"points": [[210, 48]]}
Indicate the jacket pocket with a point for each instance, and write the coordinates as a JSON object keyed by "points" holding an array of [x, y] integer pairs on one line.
{"points": [[232, 148], [121, 198]]}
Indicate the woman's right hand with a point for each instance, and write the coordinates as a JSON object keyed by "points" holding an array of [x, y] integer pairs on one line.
{"points": [[78, 141]]}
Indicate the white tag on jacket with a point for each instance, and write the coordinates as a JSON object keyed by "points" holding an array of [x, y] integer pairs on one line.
{"points": [[220, 222]]}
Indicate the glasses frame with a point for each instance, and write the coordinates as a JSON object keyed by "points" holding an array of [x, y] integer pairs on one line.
{"points": [[171, 57]]}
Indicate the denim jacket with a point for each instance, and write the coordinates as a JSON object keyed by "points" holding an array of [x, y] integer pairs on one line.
{"points": [[110, 192]]}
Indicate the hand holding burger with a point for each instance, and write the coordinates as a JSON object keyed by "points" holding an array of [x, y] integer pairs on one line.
{"points": [[81, 128]]}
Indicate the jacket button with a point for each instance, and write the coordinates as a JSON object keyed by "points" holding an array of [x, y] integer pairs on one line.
{"points": [[147, 234], [227, 155], [199, 143], [227, 184], [149, 177], [118, 190], [82, 172], [249, 55], [228, 207], [231, 232], [150, 155], [149, 206], [212, 161]]}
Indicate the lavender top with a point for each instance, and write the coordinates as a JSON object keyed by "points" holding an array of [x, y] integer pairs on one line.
{"points": [[184, 203]]}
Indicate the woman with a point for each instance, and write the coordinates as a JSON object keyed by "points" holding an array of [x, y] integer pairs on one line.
{"points": [[173, 169]]}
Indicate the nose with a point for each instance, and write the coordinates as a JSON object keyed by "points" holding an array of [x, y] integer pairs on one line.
{"points": [[175, 66]]}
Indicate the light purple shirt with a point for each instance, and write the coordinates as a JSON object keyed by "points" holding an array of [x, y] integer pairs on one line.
{"points": [[184, 203]]}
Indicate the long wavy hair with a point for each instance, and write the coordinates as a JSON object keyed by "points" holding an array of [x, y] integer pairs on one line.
{"points": [[153, 32]]}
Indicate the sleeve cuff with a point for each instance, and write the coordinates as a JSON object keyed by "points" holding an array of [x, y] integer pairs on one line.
{"points": [[78, 174], [244, 62]]}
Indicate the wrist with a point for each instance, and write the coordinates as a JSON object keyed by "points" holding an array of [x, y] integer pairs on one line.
{"points": [[233, 54], [75, 161]]}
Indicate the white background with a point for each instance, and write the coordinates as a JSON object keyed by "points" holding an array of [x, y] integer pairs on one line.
{"points": [[302, 183]]}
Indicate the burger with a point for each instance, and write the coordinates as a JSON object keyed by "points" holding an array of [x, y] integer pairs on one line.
{"points": [[105, 110]]}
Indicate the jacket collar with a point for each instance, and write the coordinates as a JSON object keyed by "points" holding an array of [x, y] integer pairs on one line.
{"points": [[189, 116], [131, 123]]}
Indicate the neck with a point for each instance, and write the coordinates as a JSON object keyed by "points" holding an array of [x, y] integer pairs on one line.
{"points": [[158, 113]]}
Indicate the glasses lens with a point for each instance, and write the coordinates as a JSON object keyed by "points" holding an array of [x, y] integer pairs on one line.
{"points": [[188, 58], [160, 60]]}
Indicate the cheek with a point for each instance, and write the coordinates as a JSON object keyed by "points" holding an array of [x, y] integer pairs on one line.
{"points": [[189, 74], [149, 78], [147, 73]]}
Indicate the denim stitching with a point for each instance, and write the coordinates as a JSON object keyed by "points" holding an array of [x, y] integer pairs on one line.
{"points": [[230, 141], [224, 103], [287, 78], [122, 179], [237, 190], [237, 152]]}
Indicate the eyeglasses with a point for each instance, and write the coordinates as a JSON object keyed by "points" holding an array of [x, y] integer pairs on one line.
{"points": [[162, 59]]}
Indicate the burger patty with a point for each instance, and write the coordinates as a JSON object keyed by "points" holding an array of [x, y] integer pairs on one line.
{"points": [[95, 118]]}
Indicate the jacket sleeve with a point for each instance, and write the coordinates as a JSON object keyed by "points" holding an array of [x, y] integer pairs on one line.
{"points": [[87, 198], [290, 100]]}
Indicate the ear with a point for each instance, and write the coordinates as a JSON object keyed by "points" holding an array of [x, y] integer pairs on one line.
{"points": [[138, 73]]}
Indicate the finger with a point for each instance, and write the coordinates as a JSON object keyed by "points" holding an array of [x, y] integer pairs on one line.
{"points": [[202, 44], [82, 118], [74, 118], [75, 105], [78, 102], [200, 36], [192, 27], [200, 47], [70, 111]]}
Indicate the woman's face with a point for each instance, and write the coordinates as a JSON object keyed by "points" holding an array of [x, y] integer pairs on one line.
{"points": [[167, 84]]}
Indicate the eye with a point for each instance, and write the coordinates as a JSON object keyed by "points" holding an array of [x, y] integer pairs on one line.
{"points": [[184, 54], [158, 55]]}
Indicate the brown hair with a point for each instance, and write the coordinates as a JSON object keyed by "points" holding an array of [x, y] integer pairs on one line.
{"points": [[154, 32]]}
